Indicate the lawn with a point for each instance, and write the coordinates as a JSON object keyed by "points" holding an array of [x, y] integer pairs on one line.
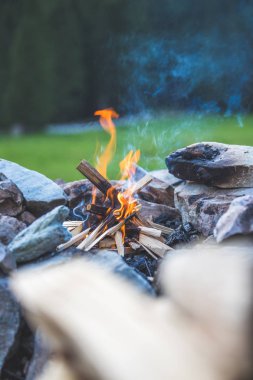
{"points": [[57, 155]]}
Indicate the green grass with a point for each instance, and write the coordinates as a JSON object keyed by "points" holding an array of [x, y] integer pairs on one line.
{"points": [[57, 156]]}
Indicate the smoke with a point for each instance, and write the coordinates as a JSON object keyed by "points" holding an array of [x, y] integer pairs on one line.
{"points": [[203, 73]]}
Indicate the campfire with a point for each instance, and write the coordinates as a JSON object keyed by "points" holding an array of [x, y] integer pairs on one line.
{"points": [[118, 224]]}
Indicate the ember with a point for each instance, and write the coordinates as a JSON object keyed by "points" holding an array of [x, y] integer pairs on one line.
{"points": [[119, 223]]}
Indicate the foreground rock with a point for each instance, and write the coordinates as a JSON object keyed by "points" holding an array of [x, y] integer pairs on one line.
{"points": [[115, 264], [105, 258], [11, 199], [202, 206], [237, 220], [221, 165], [213, 334], [9, 228], [40, 193], [41, 237], [9, 322], [39, 358]]}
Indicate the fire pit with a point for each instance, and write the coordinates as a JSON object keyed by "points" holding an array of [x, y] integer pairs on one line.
{"points": [[127, 227]]}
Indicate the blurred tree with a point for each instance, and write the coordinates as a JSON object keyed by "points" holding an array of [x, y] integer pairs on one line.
{"points": [[62, 59]]}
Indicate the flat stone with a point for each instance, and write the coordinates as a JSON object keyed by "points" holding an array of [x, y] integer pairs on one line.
{"points": [[202, 206], [11, 198], [9, 322], [215, 164], [42, 236], [160, 213], [40, 193], [9, 228], [238, 219]]}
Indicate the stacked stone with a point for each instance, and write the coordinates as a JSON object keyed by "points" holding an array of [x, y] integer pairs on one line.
{"points": [[216, 195]]}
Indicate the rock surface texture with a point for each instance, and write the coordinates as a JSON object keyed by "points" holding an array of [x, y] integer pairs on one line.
{"points": [[237, 220], [9, 322], [215, 164], [9, 228], [42, 236], [202, 206], [40, 193], [11, 198]]}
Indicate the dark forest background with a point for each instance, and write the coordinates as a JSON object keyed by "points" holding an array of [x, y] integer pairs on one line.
{"points": [[62, 59]]}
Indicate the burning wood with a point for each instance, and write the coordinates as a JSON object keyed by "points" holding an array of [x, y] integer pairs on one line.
{"points": [[120, 219], [118, 222]]}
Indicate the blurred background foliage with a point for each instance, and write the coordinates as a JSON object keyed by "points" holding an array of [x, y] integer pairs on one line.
{"points": [[63, 59], [182, 68]]}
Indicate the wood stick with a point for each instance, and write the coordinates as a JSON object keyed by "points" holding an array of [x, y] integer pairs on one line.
{"points": [[164, 229], [119, 243], [96, 209], [73, 240], [147, 250], [159, 248], [150, 231], [92, 236], [109, 231], [134, 245], [72, 223], [94, 176], [77, 230], [107, 243], [140, 184]]}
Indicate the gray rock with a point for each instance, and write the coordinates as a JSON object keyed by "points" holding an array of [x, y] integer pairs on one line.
{"points": [[9, 228], [41, 237], [158, 192], [160, 213], [202, 206], [215, 164], [40, 357], [166, 177], [27, 218], [238, 219], [7, 260], [40, 193], [11, 199], [78, 191], [9, 322]]}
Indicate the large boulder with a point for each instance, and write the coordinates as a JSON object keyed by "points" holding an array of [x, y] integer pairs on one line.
{"points": [[11, 198], [42, 236], [40, 193], [238, 219], [202, 206], [210, 163], [9, 322]]}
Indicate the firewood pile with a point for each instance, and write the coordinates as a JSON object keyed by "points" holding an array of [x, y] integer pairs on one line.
{"points": [[119, 224]]}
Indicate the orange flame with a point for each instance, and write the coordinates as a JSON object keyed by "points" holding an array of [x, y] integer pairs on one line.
{"points": [[127, 203], [106, 116], [128, 164]]}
